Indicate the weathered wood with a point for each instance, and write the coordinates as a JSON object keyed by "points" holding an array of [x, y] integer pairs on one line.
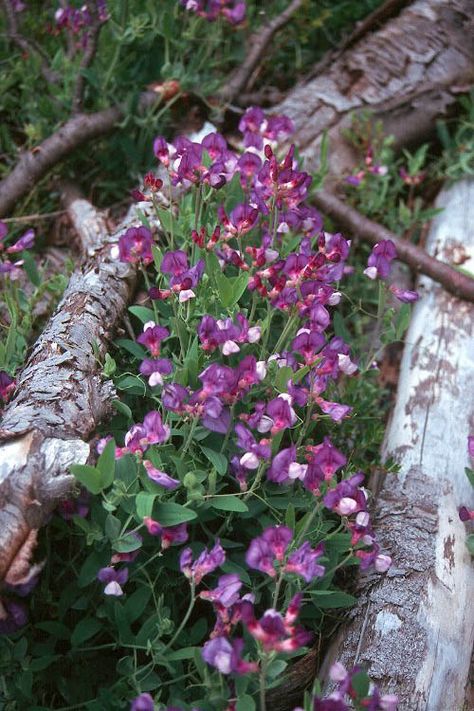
{"points": [[406, 74], [61, 395], [414, 628]]}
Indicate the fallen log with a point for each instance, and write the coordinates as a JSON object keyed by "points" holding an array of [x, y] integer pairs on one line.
{"points": [[406, 74], [61, 395], [414, 628]]}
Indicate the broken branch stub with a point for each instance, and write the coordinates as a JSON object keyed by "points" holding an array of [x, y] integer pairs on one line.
{"points": [[414, 627], [61, 395]]}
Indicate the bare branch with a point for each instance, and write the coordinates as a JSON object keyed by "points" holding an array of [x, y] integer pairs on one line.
{"points": [[349, 219], [258, 44], [35, 164]]}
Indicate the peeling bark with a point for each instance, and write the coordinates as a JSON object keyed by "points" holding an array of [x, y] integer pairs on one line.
{"points": [[406, 74], [61, 395], [414, 627]]}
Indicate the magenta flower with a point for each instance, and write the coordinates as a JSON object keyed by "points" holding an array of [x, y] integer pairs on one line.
{"points": [[465, 514], [303, 562], [281, 413], [206, 562], [13, 616], [226, 657], [160, 477], [241, 220], [152, 336], [347, 497], [308, 343], [285, 468], [254, 451], [268, 548], [25, 242], [327, 457], [378, 265], [170, 535], [135, 246], [470, 445], [7, 386], [151, 431], [275, 632]]}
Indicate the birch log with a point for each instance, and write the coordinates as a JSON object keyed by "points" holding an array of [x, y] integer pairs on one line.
{"points": [[414, 627], [61, 395], [406, 74]]}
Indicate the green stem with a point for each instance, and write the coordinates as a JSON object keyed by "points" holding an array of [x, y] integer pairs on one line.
{"points": [[148, 286], [287, 329], [185, 619], [189, 438], [308, 523], [263, 679], [277, 590], [309, 412]]}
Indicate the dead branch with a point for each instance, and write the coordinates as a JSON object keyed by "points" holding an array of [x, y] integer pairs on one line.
{"points": [[61, 395], [353, 222], [27, 45], [258, 44], [35, 164]]}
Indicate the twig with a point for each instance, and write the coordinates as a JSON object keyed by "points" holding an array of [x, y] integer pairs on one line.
{"points": [[87, 59], [36, 217], [33, 165], [28, 45], [349, 219], [258, 43]]}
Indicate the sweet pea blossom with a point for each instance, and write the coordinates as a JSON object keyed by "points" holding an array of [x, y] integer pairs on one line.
{"points": [[327, 457], [347, 497], [303, 562], [227, 591], [114, 579], [152, 336], [276, 632], [241, 220], [135, 246], [281, 414], [254, 451], [151, 431], [206, 562], [170, 535], [155, 369], [284, 467], [226, 657], [144, 702], [378, 265], [160, 477], [404, 295], [265, 550]]}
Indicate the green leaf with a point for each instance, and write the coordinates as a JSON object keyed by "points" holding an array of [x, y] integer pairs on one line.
{"points": [[470, 543], [290, 517], [112, 527], [157, 256], [106, 464], [181, 654], [225, 289], [143, 313], [88, 476], [132, 383], [234, 194], [84, 630], [329, 599], [144, 504], [470, 475], [122, 408], [245, 703], [137, 602], [165, 218], [402, 321], [239, 285], [127, 544], [132, 347], [282, 377], [170, 514], [229, 503], [218, 460], [360, 683], [110, 366], [340, 327]]}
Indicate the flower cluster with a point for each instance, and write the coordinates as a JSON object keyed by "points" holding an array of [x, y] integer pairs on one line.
{"points": [[26, 241], [233, 11], [77, 21]]}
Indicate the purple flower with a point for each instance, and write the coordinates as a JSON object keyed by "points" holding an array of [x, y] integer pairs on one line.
{"points": [[303, 562], [281, 413], [226, 657], [135, 246], [114, 579], [347, 498], [275, 632], [160, 477], [327, 458], [161, 150], [254, 451], [470, 444], [284, 467], [227, 591], [174, 397], [144, 702], [206, 562], [175, 263], [155, 369], [152, 431], [25, 242], [7, 386], [241, 220], [13, 616], [465, 514], [77, 506], [380, 260], [215, 144], [152, 336], [308, 343], [170, 535], [404, 295], [271, 546], [216, 380]]}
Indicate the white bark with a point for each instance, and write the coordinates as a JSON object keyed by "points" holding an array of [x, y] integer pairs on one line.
{"points": [[414, 627]]}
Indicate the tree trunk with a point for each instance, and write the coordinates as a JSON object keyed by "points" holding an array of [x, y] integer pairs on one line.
{"points": [[407, 74], [61, 395], [414, 628]]}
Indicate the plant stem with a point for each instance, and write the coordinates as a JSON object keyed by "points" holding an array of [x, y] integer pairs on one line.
{"points": [[189, 438], [263, 675], [184, 620]]}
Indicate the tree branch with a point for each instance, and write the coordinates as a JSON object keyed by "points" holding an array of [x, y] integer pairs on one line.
{"points": [[27, 45], [258, 43], [33, 165], [349, 219]]}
